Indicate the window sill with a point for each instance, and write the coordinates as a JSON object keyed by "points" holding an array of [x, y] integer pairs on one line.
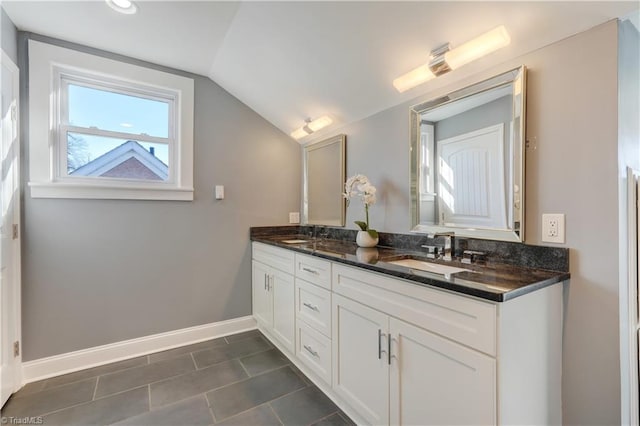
{"points": [[103, 192]]}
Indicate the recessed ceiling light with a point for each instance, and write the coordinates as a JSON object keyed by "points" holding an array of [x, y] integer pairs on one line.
{"points": [[127, 125], [123, 6]]}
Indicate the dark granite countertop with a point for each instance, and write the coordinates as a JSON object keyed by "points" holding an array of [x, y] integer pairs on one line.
{"points": [[492, 281]]}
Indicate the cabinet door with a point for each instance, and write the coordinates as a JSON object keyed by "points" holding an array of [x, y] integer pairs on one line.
{"points": [[360, 363], [262, 308], [436, 381], [283, 293]]}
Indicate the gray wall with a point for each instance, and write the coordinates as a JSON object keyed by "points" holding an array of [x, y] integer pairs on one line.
{"points": [[571, 168], [9, 36], [102, 271]]}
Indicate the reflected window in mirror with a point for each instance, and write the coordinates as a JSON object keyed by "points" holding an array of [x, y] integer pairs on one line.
{"points": [[467, 162]]}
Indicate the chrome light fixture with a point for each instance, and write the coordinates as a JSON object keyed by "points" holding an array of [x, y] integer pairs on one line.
{"points": [[123, 6], [443, 59], [311, 126]]}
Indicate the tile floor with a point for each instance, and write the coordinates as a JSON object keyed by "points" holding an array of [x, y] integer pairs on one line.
{"points": [[235, 380]]}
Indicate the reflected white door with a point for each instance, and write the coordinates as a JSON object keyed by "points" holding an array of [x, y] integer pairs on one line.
{"points": [[10, 243], [471, 183]]}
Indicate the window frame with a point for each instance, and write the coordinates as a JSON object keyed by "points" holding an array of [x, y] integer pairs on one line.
{"points": [[52, 70]]}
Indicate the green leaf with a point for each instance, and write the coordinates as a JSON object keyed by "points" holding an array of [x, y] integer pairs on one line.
{"points": [[361, 224], [372, 233]]}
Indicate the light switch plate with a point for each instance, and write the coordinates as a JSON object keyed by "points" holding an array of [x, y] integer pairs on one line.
{"points": [[294, 217], [219, 192], [553, 228]]}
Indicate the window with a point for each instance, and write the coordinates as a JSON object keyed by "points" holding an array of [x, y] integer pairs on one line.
{"points": [[115, 130]]}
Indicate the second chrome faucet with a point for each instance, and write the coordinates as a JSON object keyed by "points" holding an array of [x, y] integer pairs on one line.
{"points": [[447, 250]]}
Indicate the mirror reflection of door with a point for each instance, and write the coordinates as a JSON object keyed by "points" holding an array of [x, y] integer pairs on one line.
{"points": [[471, 187]]}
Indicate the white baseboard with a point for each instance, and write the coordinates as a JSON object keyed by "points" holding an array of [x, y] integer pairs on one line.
{"points": [[56, 365]]}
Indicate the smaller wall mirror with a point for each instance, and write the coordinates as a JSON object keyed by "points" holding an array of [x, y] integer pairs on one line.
{"points": [[467, 160], [324, 177]]}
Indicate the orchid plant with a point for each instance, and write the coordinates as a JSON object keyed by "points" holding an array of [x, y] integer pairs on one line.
{"points": [[358, 186]]}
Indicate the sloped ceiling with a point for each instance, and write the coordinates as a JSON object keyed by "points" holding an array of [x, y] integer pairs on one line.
{"points": [[292, 60]]}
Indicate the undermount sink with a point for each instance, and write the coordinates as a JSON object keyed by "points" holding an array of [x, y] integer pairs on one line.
{"points": [[428, 266], [296, 241]]}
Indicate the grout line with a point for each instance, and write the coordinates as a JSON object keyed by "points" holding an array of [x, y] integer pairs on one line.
{"points": [[86, 378], [85, 403], [213, 416], [325, 417], [95, 389], [275, 414], [244, 368], [194, 361]]}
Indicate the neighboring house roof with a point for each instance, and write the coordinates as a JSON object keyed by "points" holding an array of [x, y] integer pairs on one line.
{"points": [[129, 160]]}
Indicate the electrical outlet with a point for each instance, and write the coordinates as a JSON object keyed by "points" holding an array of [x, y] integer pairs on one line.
{"points": [[294, 217], [553, 228]]}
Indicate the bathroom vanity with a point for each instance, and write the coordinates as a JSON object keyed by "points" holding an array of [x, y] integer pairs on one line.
{"points": [[393, 342]]}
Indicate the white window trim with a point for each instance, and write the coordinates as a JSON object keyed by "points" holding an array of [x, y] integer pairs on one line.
{"points": [[45, 62]]}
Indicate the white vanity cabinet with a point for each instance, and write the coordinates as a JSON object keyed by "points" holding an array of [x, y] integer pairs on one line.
{"points": [[391, 351], [273, 292], [313, 314]]}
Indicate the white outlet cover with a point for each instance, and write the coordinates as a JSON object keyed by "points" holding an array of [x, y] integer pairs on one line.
{"points": [[294, 217], [547, 228]]}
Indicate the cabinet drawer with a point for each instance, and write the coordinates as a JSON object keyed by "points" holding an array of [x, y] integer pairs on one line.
{"points": [[275, 257], [462, 319], [314, 270], [314, 350], [313, 305]]}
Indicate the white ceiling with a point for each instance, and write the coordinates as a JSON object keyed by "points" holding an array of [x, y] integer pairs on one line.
{"points": [[297, 59]]}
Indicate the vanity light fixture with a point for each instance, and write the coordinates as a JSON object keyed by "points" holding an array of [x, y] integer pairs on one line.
{"points": [[311, 126], [123, 6], [443, 59]]}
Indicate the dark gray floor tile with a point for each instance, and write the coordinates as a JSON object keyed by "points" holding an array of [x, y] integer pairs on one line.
{"points": [[196, 382], [192, 411], [96, 371], [259, 416], [241, 396], [243, 335], [233, 350], [49, 400], [32, 387], [136, 377], [103, 411], [334, 420], [303, 407], [172, 353], [264, 361]]}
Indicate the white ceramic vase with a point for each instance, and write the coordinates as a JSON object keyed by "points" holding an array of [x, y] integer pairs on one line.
{"points": [[363, 239]]}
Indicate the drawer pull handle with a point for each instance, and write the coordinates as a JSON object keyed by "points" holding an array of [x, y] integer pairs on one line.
{"points": [[311, 271], [311, 351], [310, 306], [379, 344]]}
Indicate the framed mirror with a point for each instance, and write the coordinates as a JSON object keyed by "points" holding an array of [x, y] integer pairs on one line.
{"points": [[324, 176], [467, 160]]}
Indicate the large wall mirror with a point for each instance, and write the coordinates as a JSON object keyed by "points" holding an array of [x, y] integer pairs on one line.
{"points": [[324, 176], [467, 160]]}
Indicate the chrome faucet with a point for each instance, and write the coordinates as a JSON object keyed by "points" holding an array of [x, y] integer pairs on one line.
{"points": [[449, 244]]}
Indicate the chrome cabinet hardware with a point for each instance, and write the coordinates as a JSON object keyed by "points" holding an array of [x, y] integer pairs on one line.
{"points": [[311, 271], [379, 344], [310, 350], [265, 281], [310, 306], [389, 348]]}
